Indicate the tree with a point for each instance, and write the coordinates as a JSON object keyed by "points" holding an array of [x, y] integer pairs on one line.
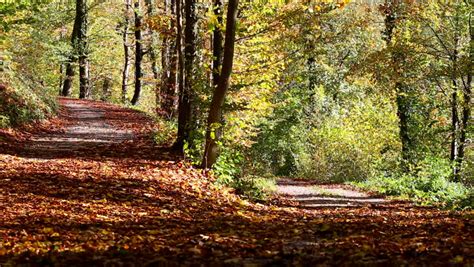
{"points": [[186, 106], [393, 14], [138, 54], [169, 63], [82, 49], [79, 44], [214, 118], [217, 43], [67, 84], [467, 93], [126, 50], [152, 53]]}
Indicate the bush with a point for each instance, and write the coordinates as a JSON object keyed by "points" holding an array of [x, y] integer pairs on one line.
{"points": [[19, 105], [167, 132], [228, 170], [428, 183]]}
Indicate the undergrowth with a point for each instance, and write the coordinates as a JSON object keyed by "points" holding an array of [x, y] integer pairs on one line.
{"points": [[228, 170], [429, 183], [19, 105]]}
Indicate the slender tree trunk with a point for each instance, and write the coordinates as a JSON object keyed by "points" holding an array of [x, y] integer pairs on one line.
{"points": [[84, 89], [170, 64], [402, 105], [61, 65], [183, 102], [153, 58], [67, 85], [61, 70], [454, 123], [66, 91], [126, 50], [186, 124], [454, 112], [106, 88], [402, 114], [215, 111], [81, 12], [467, 99], [217, 48], [138, 54], [165, 66]]}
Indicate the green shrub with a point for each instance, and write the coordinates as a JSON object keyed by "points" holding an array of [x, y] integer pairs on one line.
{"points": [[228, 170], [427, 183], [19, 105], [166, 133]]}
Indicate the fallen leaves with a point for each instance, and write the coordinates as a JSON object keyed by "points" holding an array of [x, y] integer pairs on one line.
{"points": [[133, 203]]}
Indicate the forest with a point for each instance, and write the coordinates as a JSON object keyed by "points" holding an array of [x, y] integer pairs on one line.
{"points": [[236, 132]]}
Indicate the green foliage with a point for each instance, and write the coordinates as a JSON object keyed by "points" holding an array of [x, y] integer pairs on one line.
{"points": [[22, 103], [228, 166], [166, 133], [428, 183], [228, 170]]}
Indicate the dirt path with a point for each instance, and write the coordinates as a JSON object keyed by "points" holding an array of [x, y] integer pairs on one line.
{"points": [[86, 129], [93, 190], [312, 195]]}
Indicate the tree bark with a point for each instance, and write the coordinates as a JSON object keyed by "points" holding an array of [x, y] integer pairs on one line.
{"points": [[215, 111], [169, 68], [126, 50], [402, 105], [455, 123], [67, 84], [467, 99], [138, 54], [82, 43], [152, 54], [106, 88], [217, 39], [185, 72]]}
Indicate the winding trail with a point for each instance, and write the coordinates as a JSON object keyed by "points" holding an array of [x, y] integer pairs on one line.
{"points": [[312, 195]]}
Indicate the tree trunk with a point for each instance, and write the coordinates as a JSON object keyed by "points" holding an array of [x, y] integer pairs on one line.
{"points": [[179, 48], [454, 112], [81, 12], [152, 54], [67, 85], [217, 44], [106, 88], [69, 76], [169, 68], [402, 105], [402, 114], [84, 89], [184, 104], [138, 54], [454, 122], [467, 99], [126, 50], [215, 111], [61, 64]]}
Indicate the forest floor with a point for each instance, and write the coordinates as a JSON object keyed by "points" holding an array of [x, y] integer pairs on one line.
{"points": [[89, 188]]}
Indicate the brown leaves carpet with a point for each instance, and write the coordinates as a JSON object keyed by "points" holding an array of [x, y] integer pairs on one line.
{"points": [[90, 189]]}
